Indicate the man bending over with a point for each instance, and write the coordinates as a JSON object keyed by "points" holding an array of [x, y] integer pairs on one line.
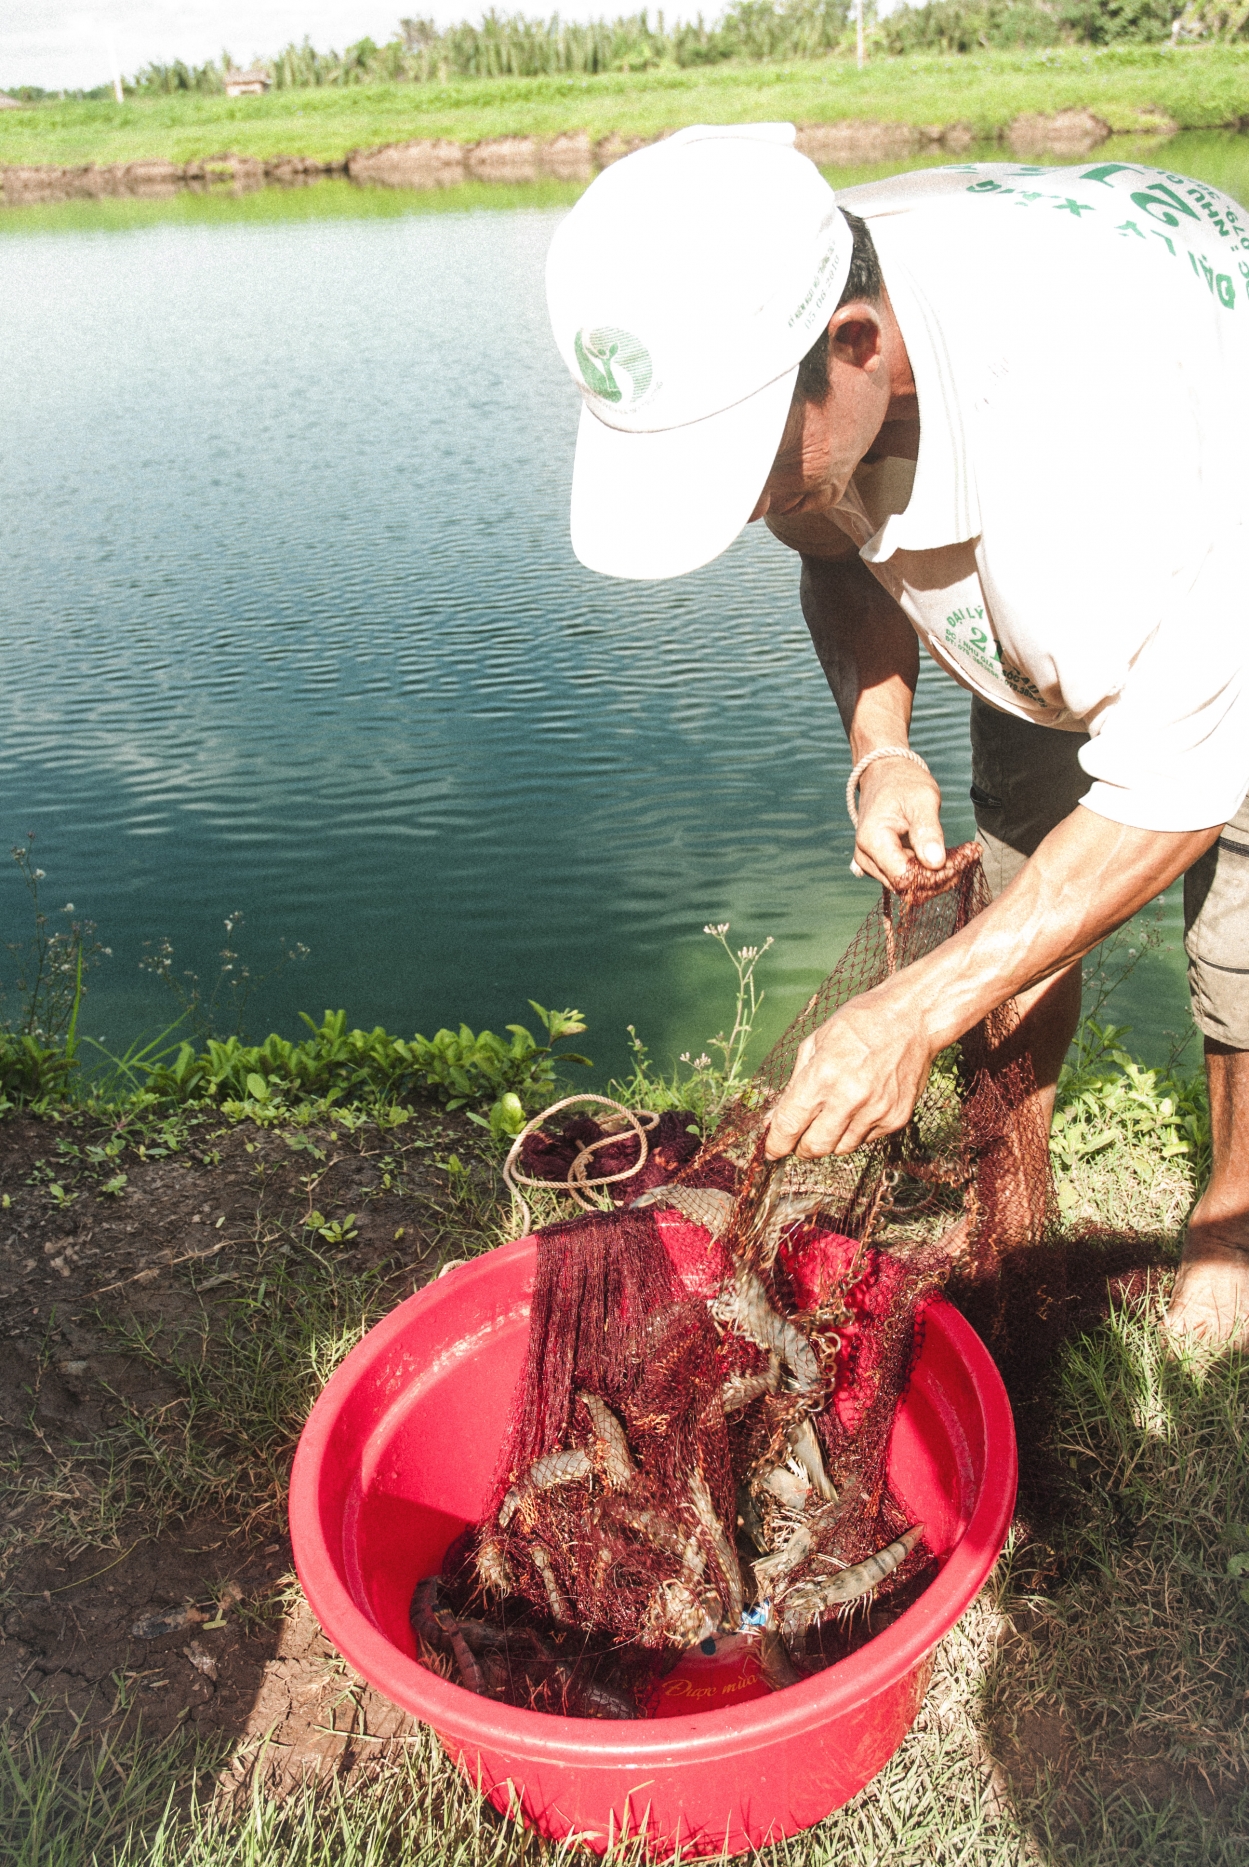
{"points": [[1000, 411]]}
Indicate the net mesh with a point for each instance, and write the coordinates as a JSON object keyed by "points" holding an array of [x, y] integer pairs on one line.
{"points": [[697, 1459]]}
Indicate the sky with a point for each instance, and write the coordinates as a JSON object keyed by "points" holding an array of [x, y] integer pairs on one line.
{"points": [[65, 44]]}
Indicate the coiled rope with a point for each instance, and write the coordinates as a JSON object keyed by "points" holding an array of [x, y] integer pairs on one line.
{"points": [[580, 1183]]}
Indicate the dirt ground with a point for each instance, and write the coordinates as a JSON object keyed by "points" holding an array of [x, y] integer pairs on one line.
{"points": [[167, 1289], [101, 1287]]}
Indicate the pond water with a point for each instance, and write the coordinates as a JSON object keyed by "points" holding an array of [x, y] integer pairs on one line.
{"points": [[291, 626]]}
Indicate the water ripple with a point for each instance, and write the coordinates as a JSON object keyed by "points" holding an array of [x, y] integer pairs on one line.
{"points": [[291, 623]]}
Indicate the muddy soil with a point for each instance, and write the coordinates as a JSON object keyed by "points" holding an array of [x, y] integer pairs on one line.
{"points": [[118, 1246]]}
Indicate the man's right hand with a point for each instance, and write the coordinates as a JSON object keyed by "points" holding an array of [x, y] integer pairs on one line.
{"points": [[899, 818]]}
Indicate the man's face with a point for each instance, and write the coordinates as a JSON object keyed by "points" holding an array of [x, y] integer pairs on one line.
{"points": [[869, 383]]}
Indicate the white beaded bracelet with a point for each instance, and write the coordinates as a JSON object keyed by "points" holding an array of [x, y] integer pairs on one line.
{"points": [[852, 783], [869, 758]]}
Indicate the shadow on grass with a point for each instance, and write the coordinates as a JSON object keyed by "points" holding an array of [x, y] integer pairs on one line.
{"points": [[1116, 1701]]}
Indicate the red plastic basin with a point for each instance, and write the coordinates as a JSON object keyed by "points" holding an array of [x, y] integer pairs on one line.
{"points": [[399, 1454]]}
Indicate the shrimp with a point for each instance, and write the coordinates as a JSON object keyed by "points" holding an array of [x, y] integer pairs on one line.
{"points": [[771, 1570], [740, 1389], [677, 1615], [553, 1468], [540, 1556], [437, 1628], [721, 1548], [492, 1569], [790, 1491], [804, 1602], [805, 1446], [701, 1205], [743, 1304], [748, 1518], [600, 1701], [712, 1209], [611, 1457], [661, 1533]]}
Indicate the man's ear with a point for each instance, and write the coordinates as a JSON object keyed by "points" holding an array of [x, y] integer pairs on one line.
{"points": [[855, 336]]}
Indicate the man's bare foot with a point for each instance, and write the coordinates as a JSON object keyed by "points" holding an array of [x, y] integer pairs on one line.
{"points": [[1210, 1302]]}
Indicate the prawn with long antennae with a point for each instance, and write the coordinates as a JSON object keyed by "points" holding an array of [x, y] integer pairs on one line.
{"points": [[437, 1628], [740, 1389], [721, 1548], [712, 1209], [806, 1601], [540, 1556]]}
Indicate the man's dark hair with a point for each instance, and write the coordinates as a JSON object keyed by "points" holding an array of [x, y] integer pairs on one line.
{"points": [[862, 281]]}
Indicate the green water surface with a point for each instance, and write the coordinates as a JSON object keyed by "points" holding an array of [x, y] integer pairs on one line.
{"points": [[291, 625]]}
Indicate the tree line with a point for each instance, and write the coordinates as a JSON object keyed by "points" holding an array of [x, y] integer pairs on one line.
{"points": [[516, 45]]}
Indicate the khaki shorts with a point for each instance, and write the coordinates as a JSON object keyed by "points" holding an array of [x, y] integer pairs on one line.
{"points": [[1026, 779]]}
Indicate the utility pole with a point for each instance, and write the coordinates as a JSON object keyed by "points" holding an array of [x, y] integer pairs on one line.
{"points": [[858, 18], [120, 95]]}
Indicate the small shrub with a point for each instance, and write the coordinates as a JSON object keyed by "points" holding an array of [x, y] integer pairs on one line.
{"points": [[967, 26], [334, 1064]]}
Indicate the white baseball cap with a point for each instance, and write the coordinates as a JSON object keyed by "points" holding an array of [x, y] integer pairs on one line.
{"points": [[684, 288]]}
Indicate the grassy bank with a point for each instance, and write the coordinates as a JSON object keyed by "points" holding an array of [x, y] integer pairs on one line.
{"points": [[1195, 87], [191, 1242], [1089, 1711]]}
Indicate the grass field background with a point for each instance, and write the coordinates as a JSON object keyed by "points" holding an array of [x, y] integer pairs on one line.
{"points": [[1197, 87]]}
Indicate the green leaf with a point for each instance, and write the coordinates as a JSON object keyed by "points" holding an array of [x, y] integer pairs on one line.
{"points": [[507, 1116]]}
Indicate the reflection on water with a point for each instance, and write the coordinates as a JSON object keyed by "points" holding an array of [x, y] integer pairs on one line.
{"points": [[292, 625]]}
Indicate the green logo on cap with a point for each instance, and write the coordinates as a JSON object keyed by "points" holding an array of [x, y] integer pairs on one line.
{"points": [[608, 354]]}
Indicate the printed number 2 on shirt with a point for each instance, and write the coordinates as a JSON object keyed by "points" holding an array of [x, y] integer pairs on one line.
{"points": [[967, 635]]}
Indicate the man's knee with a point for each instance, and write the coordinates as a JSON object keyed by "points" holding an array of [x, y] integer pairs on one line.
{"points": [[1216, 935]]}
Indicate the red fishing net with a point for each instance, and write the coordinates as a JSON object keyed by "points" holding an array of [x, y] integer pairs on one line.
{"points": [[697, 1462]]}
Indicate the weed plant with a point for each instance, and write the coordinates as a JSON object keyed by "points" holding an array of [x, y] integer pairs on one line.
{"points": [[1130, 1146], [335, 1065], [39, 1006], [234, 984], [707, 1083]]}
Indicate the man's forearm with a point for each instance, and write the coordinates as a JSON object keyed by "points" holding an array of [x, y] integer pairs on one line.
{"points": [[1086, 878], [859, 1075], [867, 649]]}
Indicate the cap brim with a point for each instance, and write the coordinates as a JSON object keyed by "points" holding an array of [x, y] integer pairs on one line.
{"points": [[658, 505]]}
